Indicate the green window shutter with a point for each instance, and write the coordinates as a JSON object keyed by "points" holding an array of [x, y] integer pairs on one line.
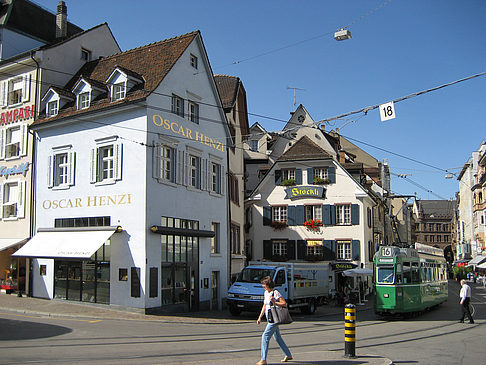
{"points": [[331, 173], [301, 249], [356, 250], [326, 214], [329, 250], [291, 215], [267, 249], [267, 216], [278, 177], [299, 215], [355, 214], [291, 249], [298, 176], [310, 175]]}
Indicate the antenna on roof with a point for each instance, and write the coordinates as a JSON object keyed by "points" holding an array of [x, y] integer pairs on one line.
{"points": [[294, 89]]}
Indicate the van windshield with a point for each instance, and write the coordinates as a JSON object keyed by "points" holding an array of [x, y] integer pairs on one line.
{"points": [[253, 275], [385, 274]]}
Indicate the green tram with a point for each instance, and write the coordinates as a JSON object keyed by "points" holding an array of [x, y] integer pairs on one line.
{"points": [[408, 280]]}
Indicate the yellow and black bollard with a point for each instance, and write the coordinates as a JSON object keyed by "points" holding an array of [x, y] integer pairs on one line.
{"points": [[350, 330]]}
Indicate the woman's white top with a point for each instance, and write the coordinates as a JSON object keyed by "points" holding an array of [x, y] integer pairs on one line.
{"points": [[268, 295]]}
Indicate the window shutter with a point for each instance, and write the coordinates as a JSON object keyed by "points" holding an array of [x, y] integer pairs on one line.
{"points": [[1, 200], [26, 89], [299, 215], [331, 172], [333, 215], [205, 174], [21, 200], [291, 215], [118, 160], [356, 250], [298, 176], [326, 214], [156, 156], [267, 249], [199, 177], [329, 250], [310, 175], [291, 249], [50, 171], [23, 140], [267, 216], [72, 167], [4, 91], [222, 179], [278, 177], [180, 168], [3, 136], [93, 165], [301, 249], [354, 214], [173, 161], [186, 169]]}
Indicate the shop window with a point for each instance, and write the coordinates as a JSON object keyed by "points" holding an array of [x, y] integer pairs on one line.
{"points": [[12, 199], [106, 163], [82, 222]]}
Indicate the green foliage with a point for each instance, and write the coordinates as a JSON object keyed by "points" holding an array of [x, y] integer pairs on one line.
{"points": [[461, 272], [288, 182]]}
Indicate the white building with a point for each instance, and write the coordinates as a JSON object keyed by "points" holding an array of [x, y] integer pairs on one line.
{"points": [[308, 207], [136, 143], [24, 77]]}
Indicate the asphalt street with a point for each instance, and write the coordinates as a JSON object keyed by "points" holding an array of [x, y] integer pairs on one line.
{"points": [[53, 332]]}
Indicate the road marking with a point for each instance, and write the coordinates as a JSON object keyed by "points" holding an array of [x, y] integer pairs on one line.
{"points": [[226, 350], [59, 319]]}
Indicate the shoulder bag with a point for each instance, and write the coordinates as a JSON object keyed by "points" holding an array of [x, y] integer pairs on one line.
{"points": [[280, 315]]}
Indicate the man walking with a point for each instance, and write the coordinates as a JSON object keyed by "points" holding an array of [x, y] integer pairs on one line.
{"points": [[465, 295]]}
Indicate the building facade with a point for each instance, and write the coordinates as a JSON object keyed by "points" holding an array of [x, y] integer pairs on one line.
{"points": [[132, 151], [24, 77]]}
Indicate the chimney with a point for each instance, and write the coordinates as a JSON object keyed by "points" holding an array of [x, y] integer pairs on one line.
{"points": [[61, 20], [342, 157]]}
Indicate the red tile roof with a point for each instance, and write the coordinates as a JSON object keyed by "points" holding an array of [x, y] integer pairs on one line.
{"points": [[306, 149], [152, 62], [228, 89]]}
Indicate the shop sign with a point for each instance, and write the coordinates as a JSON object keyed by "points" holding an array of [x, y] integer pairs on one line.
{"points": [[305, 192], [15, 170], [17, 114], [88, 202], [341, 266], [187, 132]]}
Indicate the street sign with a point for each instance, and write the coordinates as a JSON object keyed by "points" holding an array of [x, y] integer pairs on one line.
{"points": [[387, 111]]}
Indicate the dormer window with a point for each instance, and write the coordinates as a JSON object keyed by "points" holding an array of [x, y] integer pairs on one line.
{"points": [[118, 91], [83, 100], [52, 108]]}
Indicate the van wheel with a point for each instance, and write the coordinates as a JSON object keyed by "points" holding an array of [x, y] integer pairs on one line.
{"points": [[234, 311], [310, 308]]}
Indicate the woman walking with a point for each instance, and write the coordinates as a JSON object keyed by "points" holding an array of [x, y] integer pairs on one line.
{"points": [[272, 297]]}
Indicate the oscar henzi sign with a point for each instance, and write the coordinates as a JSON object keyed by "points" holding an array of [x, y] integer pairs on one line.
{"points": [[89, 201], [305, 192]]}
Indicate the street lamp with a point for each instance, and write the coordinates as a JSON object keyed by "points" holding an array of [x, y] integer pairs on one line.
{"points": [[342, 35]]}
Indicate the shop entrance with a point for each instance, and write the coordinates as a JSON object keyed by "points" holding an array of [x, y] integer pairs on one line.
{"points": [[85, 281]]}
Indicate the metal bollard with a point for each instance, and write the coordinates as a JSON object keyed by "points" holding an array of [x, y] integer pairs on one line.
{"points": [[350, 330]]}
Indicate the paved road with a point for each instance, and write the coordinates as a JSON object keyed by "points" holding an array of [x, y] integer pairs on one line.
{"points": [[116, 337]]}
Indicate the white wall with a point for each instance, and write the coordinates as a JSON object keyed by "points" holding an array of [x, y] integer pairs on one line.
{"points": [[14, 43]]}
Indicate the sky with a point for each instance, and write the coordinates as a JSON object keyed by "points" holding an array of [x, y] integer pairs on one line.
{"points": [[398, 48]]}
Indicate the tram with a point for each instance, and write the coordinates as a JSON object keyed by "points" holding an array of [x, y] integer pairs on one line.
{"points": [[409, 280]]}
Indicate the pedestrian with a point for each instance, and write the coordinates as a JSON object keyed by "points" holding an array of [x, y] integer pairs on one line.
{"points": [[271, 296], [465, 295]]}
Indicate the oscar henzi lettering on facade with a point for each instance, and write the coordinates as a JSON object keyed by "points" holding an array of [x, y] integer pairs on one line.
{"points": [[187, 133], [89, 201]]}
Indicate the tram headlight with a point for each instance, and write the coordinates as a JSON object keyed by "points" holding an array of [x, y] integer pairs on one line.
{"points": [[386, 295]]}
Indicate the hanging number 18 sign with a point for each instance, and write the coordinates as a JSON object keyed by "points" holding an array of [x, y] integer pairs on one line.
{"points": [[387, 111]]}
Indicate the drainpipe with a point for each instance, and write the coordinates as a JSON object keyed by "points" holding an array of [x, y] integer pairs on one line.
{"points": [[28, 274]]}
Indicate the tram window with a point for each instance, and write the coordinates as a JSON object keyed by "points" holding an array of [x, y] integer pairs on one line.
{"points": [[385, 274], [407, 273], [429, 274], [415, 273]]}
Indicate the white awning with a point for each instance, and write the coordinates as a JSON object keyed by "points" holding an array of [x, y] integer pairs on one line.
{"points": [[477, 260], [9, 242], [482, 266], [358, 272], [72, 244]]}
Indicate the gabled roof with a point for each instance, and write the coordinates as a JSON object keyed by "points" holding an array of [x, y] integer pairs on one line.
{"points": [[228, 89], [152, 62], [29, 18], [60, 92], [126, 71], [91, 82], [437, 208], [304, 149]]}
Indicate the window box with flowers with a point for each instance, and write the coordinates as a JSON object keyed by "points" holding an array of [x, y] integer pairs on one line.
{"points": [[288, 182], [279, 258], [321, 181], [313, 224], [279, 225], [314, 258]]}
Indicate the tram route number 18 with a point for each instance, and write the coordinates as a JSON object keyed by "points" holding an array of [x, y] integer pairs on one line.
{"points": [[386, 251], [387, 111]]}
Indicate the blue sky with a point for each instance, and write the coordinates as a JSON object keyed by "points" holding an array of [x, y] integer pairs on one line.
{"points": [[401, 48]]}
